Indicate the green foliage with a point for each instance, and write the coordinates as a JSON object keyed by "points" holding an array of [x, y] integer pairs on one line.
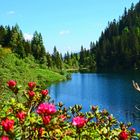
{"points": [[23, 70], [118, 47], [37, 117], [87, 61], [71, 61], [12, 37], [37, 47]]}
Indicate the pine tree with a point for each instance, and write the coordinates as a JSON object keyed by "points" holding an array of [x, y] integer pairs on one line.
{"points": [[37, 47]]}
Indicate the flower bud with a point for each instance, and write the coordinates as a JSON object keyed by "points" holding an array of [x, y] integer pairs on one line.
{"points": [[133, 130], [21, 115], [94, 108], [44, 92], [31, 85], [62, 117], [46, 119], [105, 112], [60, 104], [110, 118], [79, 107], [65, 109], [11, 84], [31, 93]]}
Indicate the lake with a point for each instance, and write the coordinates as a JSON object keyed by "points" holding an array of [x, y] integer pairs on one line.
{"points": [[113, 92]]}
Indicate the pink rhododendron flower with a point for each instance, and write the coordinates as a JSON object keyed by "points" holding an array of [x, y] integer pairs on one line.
{"points": [[42, 108], [7, 124], [31, 93], [123, 135], [79, 121], [51, 109], [4, 138], [31, 85], [44, 92], [46, 119], [11, 83], [21, 115], [46, 108]]}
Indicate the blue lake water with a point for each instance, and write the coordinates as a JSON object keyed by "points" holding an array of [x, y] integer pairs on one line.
{"points": [[113, 92]]}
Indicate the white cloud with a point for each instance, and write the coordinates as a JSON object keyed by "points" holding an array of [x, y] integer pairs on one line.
{"points": [[28, 36], [10, 12], [64, 32]]}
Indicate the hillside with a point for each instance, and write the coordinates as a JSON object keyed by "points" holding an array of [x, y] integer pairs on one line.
{"points": [[12, 38], [118, 47], [24, 70]]}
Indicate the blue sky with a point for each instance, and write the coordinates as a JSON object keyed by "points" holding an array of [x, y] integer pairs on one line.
{"points": [[66, 24]]}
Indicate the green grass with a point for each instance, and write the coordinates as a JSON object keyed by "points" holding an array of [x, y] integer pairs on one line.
{"points": [[25, 70], [50, 76]]}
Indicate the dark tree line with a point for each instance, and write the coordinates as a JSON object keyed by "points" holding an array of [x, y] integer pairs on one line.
{"points": [[87, 58], [12, 37], [118, 47]]}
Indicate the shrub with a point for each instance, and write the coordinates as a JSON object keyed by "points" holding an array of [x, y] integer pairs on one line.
{"points": [[37, 117]]}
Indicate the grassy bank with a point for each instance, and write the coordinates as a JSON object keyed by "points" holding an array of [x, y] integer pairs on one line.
{"points": [[24, 70], [12, 67]]}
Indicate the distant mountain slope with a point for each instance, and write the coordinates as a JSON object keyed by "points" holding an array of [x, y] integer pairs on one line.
{"points": [[118, 47]]}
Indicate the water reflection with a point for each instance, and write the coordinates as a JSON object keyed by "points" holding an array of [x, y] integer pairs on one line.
{"points": [[111, 91]]}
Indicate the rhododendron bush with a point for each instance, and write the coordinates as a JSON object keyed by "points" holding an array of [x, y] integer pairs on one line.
{"points": [[38, 117]]}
